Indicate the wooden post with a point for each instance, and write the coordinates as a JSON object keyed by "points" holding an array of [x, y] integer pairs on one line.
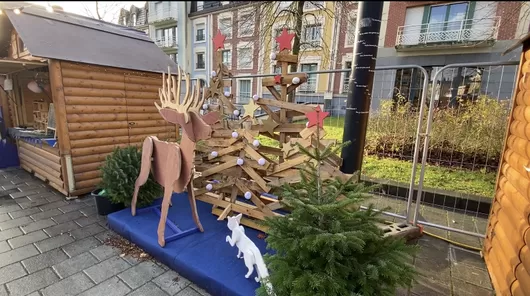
{"points": [[56, 83]]}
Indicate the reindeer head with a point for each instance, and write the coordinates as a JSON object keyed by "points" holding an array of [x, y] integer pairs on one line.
{"points": [[185, 114]]}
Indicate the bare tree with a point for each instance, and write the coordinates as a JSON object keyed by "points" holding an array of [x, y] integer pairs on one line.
{"points": [[272, 16], [103, 10]]}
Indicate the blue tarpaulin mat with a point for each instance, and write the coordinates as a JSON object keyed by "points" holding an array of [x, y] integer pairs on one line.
{"points": [[204, 258]]}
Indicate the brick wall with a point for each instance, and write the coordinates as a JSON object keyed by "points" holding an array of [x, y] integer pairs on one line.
{"points": [[508, 11], [342, 50], [234, 42], [509, 14]]}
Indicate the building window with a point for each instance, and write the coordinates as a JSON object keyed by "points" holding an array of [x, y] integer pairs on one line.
{"points": [[246, 25], [311, 84], [313, 4], [285, 4], [200, 36], [200, 5], [124, 20], [166, 37], [225, 2], [276, 70], [227, 58], [346, 79], [350, 32], [245, 89], [173, 57], [225, 25], [446, 18], [200, 65], [134, 20], [244, 58], [311, 36]]}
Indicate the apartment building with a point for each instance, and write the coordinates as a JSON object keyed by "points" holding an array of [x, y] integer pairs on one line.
{"points": [[162, 20], [429, 33], [437, 33]]}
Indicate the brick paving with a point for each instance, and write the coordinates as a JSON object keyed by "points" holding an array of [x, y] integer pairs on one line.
{"points": [[51, 246]]}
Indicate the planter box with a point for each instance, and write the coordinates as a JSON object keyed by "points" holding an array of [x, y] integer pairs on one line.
{"points": [[443, 198], [103, 204]]}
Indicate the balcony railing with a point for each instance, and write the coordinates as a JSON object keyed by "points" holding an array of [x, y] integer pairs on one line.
{"points": [[463, 31], [307, 88], [166, 41], [161, 15]]}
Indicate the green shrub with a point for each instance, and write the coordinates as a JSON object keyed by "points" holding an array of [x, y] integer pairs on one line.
{"points": [[119, 173]]}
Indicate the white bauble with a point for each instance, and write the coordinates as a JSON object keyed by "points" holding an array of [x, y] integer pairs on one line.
{"points": [[240, 161], [273, 56], [204, 106], [235, 135], [255, 143], [214, 73], [214, 153], [248, 195], [227, 93], [209, 187], [296, 80], [255, 97], [307, 124], [261, 161], [236, 112]]}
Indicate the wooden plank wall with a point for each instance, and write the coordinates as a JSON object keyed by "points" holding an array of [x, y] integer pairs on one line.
{"points": [[506, 247], [108, 108], [44, 162]]}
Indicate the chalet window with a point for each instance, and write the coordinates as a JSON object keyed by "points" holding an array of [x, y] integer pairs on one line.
{"points": [[225, 25], [245, 89], [311, 84], [227, 58], [200, 65], [244, 58]]}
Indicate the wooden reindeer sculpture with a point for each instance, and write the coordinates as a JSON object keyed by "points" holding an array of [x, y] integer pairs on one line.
{"points": [[172, 163]]}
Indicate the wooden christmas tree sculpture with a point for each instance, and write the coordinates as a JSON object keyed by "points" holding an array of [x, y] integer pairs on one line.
{"points": [[235, 170]]}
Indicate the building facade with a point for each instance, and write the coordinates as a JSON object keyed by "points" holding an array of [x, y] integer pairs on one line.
{"points": [[430, 34], [162, 19]]}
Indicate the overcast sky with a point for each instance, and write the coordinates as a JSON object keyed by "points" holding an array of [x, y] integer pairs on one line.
{"points": [[109, 11]]}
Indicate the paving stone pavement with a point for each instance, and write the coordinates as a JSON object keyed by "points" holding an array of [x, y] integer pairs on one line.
{"points": [[50, 246]]}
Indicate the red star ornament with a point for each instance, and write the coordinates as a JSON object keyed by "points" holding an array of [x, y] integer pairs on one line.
{"points": [[219, 40], [316, 117], [284, 40], [278, 79]]}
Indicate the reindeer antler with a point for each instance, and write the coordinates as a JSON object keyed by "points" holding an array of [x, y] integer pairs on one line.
{"points": [[169, 94]]}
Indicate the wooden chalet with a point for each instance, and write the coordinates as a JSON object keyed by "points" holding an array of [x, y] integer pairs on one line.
{"points": [[507, 244], [74, 89]]}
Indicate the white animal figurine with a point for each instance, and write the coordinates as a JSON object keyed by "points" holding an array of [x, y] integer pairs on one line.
{"points": [[251, 253]]}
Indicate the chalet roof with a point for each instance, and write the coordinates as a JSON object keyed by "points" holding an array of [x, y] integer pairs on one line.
{"points": [[65, 36], [517, 44]]}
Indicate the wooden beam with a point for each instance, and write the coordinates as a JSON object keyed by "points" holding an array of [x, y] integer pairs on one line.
{"points": [[63, 137]]}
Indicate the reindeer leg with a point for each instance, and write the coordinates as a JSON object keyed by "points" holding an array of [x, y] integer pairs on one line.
{"points": [[168, 191], [147, 152], [193, 203]]}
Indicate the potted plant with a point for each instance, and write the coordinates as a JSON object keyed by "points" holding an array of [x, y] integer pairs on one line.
{"points": [[118, 175]]}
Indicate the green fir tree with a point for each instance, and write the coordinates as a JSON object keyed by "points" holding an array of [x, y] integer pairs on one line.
{"points": [[118, 177], [328, 246]]}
